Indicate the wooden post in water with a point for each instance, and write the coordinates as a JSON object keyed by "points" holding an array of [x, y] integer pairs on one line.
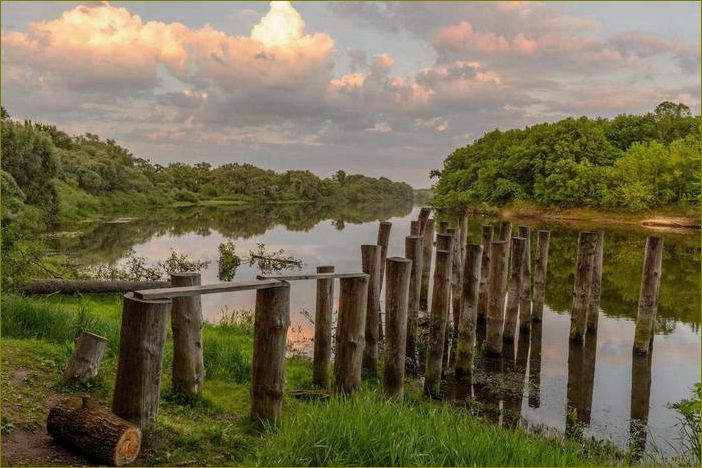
{"points": [[505, 230], [515, 286], [484, 271], [271, 322], [443, 227], [456, 282], [370, 259], [593, 312], [323, 328], [383, 241], [438, 317], [427, 249], [497, 285], [186, 323], [525, 289], [422, 218], [463, 233], [541, 269], [465, 349], [141, 344], [581, 286], [350, 339], [446, 241], [415, 228], [648, 297], [413, 251], [396, 301]]}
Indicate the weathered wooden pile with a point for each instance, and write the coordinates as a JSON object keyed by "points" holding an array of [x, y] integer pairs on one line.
{"points": [[491, 281]]}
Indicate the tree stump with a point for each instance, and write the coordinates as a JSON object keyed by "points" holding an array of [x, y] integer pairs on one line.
{"points": [[86, 359], [186, 323], [323, 328], [93, 431], [396, 301], [370, 262]]}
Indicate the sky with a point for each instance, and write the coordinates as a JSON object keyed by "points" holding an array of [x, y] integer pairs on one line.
{"points": [[379, 88]]}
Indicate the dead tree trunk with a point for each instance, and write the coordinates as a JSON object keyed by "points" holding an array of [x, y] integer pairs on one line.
{"points": [[141, 345], [540, 275], [497, 285], [648, 297], [593, 313], [396, 302], [427, 252], [94, 431], [484, 271], [271, 322], [86, 359], [413, 251], [186, 322], [515, 287], [581, 286], [51, 286], [350, 339], [370, 260], [525, 288], [469, 315], [323, 327]]}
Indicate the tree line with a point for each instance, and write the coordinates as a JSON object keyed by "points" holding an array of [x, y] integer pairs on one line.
{"points": [[630, 162]]}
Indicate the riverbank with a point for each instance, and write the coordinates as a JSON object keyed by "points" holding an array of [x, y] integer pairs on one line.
{"points": [[38, 334]]}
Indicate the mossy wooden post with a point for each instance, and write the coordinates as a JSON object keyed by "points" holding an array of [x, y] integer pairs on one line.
{"points": [[593, 312], [186, 323], [515, 286], [323, 328], [370, 261], [141, 344], [648, 297], [413, 251], [497, 285], [540, 271], [397, 292], [271, 322], [86, 358], [427, 253], [456, 283], [465, 348], [484, 271], [581, 286], [350, 339], [438, 316], [525, 289], [383, 242]]}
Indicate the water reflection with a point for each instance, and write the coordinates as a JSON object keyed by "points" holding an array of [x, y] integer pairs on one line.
{"points": [[640, 400]]}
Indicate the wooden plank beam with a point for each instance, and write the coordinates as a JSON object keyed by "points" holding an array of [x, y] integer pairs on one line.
{"points": [[169, 293], [310, 276]]}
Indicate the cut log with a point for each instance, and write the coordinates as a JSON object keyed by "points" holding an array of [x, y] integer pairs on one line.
{"points": [[93, 431], [186, 322], [86, 359], [51, 286]]}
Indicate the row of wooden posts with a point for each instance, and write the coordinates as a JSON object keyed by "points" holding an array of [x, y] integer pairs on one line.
{"points": [[490, 281]]}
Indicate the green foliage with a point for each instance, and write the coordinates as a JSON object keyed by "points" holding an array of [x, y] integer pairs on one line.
{"points": [[185, 196], [632, 162], [689, 425], [228, 261]]}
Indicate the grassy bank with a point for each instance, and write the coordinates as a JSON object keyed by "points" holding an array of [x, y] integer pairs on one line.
{"points": [[215, 430]]}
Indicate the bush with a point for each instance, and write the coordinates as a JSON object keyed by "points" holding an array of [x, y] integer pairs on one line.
{"points": [[186, 196]]}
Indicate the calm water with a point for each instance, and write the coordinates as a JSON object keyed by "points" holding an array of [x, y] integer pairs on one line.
{"points": [[612, 392]]}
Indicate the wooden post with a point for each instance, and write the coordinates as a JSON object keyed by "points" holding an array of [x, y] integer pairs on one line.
{"points": [[443, 227], [383, 242], [593, 313], [438, 318], [525, 288], [445, 241], [86, 359], [581, 286], [648, 297], [541, 269], [413, 251], [515, 286], [463, 233], [415, 228], [141, 344], [323, 328], [427, 250], [469, 315], [92, 430], [456, 281], [484, 271], [535, 365], [186, 323], [505, 231], [350, 339], [497, 284], [422, 218], [271, 322], [370, 260], [396, 302]]}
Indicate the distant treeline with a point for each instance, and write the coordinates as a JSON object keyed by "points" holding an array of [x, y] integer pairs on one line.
{"points": [[631, 162]]}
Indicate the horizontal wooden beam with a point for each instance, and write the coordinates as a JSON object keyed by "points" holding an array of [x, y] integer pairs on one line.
{"points": [[311, 276], [169, 293]]}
